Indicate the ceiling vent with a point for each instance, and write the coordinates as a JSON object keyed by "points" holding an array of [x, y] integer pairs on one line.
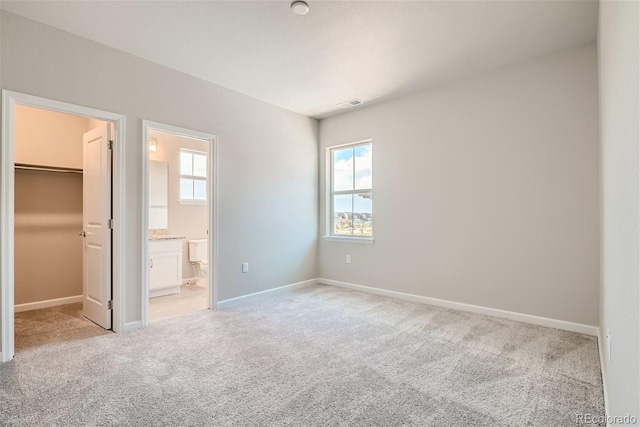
{"points": [[351, 103]]}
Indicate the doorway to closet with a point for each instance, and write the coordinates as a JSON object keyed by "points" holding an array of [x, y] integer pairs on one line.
{"points": [[62, 239], [61, 257]]}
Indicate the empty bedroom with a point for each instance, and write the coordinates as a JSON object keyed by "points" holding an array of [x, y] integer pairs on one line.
{"points": [[363, 213]]}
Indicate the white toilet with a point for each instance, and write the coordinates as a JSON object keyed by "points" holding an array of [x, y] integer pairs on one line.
{"points": [[199, 255]]}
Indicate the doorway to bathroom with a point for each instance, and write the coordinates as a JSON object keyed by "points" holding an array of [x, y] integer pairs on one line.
{"points": [[179, 221], [61, 198]]}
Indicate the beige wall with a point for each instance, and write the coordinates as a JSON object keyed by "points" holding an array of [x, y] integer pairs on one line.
{"points": [[619, 60], [267, 166], [485, 191], [48, 138], [48, 250], [184, 220]]}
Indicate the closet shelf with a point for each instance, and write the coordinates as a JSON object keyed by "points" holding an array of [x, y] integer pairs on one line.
{"points": [[26, 166]]}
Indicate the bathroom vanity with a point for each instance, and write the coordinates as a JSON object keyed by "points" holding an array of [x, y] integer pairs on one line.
{"points": [[165, 250], [165, 265]]}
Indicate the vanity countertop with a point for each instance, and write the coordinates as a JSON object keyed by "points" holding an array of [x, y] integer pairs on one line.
{"points": [[166, 237]]}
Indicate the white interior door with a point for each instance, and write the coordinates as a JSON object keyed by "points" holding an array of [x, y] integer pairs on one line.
{"points": [[96, 181]]}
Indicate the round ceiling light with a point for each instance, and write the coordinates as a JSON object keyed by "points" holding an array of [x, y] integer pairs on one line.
{"points": [[300, 7]]}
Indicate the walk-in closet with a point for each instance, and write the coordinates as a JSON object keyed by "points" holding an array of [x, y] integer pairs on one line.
{"points": [[48, 225]]}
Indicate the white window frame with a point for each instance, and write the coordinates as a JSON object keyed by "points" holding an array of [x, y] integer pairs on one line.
{"points": [[193, 177], [329, 234]]}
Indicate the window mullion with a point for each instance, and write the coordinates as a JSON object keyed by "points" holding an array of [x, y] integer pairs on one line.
{"points": [[353, 196], [353, 166], [361, 190]]}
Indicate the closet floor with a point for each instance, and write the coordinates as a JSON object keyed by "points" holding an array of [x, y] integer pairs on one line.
{"points": [[53, 325], [191, 298]]}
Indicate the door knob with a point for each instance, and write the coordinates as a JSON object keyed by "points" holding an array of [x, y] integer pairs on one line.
{"points": [[83, 234]]}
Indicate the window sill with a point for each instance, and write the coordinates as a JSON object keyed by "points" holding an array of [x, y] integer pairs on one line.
{"points": [[359, 240], [193, 202]]}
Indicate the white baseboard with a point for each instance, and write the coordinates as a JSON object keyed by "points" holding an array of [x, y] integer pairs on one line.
{"points": [[47, 303], [285, 288], [520, 317], [603, 371], [132, 326]]}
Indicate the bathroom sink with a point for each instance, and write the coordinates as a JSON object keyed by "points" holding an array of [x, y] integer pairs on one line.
{"points": [[166, 237]]}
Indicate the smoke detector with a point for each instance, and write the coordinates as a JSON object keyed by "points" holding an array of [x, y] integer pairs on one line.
{"points": [[350, 103], [300, 7]]}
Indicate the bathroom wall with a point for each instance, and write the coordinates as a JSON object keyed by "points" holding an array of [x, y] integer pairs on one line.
{"points": [[48, 206], [186, 220]]}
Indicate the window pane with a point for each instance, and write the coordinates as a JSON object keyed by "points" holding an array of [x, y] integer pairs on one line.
{"points": [[343, 169], [342, 214], [362, 215], [200, 189], [186, 163], [363, 167], [199, 165], [186, 188]]}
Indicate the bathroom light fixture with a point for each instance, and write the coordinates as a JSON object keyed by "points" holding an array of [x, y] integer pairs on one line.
{"points": [[153, 144], [300, 7]]}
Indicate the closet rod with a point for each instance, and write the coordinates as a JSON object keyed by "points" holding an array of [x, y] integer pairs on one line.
{"points": [[47, 168]]}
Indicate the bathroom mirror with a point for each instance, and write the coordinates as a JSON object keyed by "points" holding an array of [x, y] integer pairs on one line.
{"points": [[158, 195]]}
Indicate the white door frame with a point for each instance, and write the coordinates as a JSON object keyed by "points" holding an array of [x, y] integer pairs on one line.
{"points": [[7, 187], [212, 196]]}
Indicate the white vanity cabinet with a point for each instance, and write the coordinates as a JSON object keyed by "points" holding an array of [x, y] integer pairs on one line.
{"points": [[165, 266]]}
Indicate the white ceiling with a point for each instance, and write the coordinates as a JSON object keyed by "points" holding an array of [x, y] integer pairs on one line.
{"points": [[340, 50]]}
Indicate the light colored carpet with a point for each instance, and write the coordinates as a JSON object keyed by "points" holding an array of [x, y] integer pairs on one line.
{"points": [[53, 325], [312, 357]]}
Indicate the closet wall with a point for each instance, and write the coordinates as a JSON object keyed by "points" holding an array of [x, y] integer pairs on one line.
{"points": [[48, 138], [48, 207]]}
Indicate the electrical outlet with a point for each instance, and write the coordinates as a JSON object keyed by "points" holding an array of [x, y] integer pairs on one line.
{"points": [[348, 259], [608, 344], [245, 267]]}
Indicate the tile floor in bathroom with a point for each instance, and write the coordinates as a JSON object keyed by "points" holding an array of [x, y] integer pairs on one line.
{"points": [[191, 298]]}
